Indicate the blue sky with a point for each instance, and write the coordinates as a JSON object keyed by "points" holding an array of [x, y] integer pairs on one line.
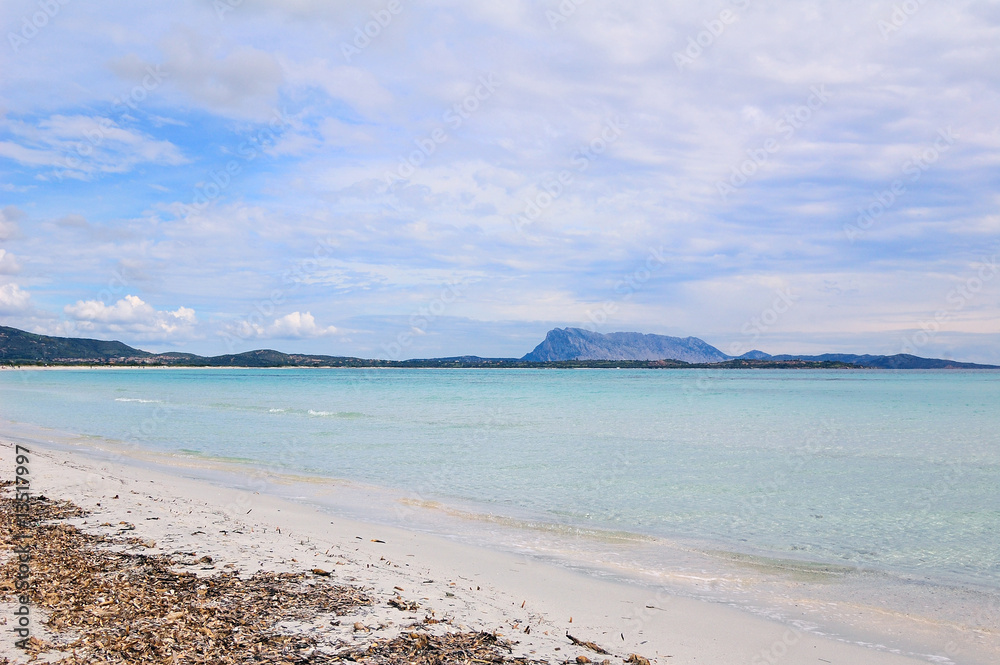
{"points": [[402, 179]]}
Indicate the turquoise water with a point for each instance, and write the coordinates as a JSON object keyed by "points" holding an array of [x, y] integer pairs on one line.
{"points": [[875, 470], [900, 470]]}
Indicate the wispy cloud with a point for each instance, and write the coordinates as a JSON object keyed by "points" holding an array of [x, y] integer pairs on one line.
{"points": [[81, 146]]}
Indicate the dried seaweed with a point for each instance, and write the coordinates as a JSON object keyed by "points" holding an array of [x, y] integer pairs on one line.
{"points": [[110, 606], [636, 659], [404, 605], [134, 608], [425, 649]]}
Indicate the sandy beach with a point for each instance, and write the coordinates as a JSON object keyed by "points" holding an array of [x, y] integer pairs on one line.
{"points": [[410, 576]]}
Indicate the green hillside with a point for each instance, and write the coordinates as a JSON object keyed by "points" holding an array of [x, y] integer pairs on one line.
{"points": [[18, 346]]}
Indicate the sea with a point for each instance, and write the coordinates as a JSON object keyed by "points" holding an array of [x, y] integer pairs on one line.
{"points": [[861, 504]]}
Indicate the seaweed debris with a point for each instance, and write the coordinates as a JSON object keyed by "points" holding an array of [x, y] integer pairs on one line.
{"points": [[105, 605], [425, 649]]}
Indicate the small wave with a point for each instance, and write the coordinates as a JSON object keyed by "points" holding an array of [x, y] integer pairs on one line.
{"points": [[136, 399], [276, 410], [335, 414]]}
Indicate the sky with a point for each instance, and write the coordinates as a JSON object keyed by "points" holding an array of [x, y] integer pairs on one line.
{"points": [[402, 179]]}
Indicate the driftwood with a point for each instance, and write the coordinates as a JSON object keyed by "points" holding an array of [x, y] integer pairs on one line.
{"points": [[589, 645]]}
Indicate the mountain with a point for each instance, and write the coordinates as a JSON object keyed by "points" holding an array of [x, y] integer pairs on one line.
{"points": [[579, 344], [897, 361], [562, 344]]}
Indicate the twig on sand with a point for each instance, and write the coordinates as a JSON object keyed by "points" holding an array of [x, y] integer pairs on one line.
{"points": [[589, 645]]}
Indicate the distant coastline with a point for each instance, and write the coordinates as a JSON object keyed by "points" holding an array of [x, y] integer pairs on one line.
{"points": [[566, 348], [445, 364]]}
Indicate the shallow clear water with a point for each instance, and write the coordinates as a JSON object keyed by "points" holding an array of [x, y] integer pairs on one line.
{"points": [[892, 470], [894, 473]]}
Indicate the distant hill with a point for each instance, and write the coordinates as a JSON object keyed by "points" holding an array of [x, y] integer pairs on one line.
{"points": [[18, 345], [561, 348], [579, 344], [754, 355], [897, 361]]}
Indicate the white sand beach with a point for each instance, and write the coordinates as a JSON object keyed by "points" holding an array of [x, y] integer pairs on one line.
{"points": [[532, 604]]}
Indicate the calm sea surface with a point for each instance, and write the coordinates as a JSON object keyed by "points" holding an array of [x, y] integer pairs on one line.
{"points": [[896, 473]]}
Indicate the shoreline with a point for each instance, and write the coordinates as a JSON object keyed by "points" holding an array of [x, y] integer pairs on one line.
{"points": [[651, 622]]}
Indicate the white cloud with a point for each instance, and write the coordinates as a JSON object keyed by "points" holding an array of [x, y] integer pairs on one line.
{"points": [[242, 81], [130, 314], [297, 325], [8, 263], [13, 299]]}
